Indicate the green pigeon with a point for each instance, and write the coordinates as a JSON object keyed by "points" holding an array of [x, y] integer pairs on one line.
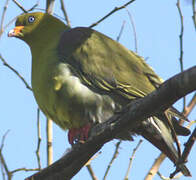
{"points": [[81, 77]]}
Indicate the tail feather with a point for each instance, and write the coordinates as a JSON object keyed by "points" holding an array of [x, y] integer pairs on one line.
{"points": [[155, 131]]}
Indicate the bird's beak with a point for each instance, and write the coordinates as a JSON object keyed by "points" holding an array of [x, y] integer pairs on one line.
{"points": [[15, 32]]}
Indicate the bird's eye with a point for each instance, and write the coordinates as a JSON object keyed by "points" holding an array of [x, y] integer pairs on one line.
{"points": [[31, 19]]}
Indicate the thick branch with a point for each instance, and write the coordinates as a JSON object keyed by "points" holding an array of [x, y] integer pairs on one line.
{"points": [[132, 115]]}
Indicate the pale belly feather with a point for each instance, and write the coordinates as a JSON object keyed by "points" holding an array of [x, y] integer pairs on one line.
{"points": [[63, 98]]}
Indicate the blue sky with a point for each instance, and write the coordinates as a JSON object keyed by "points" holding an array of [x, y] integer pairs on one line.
{"points": [[158, 27]]}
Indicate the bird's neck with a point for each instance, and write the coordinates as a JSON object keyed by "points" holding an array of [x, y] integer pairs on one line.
{"points": [[44, 36], [37, 44]]}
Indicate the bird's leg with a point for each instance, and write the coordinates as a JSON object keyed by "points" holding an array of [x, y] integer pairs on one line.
{"points": [[79, 134]]}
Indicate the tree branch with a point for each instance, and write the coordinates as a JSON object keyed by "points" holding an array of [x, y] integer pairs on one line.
{"points": [[134, 30], [91, 172], [49, 141], [131, 159], [116, 153], [50, 6], [16, 72], [37, 152], [128, 119], [188, 146], [111, 12], [20, 6], [65, 13], [155, 167], [194, 13], [181, 37], [3, 17]]}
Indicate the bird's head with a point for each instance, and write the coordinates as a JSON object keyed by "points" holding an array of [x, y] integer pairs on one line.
{"points": [[32, 27]]}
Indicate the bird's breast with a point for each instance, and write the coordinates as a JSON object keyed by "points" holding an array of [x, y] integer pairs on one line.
{"points": [[63, 97]]}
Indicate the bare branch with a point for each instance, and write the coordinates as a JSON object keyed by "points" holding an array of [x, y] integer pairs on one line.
{"points": [[50, 6], [155, 167], [131, 159], [34, 6], [16, 72], [49, 10], [90, 170], [116, 152], [39, 139], [111, 12], [194, 13], [134, 30], [49, 142], [181, 44], [186, 152], [3, 17], [24, 169], [3, 163], [121, 31], [190, 106], [65, 13], [181, 35], [140, 109], [20, 6]]}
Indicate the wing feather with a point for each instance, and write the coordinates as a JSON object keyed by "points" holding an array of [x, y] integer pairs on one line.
{"points": [[105, 66]]}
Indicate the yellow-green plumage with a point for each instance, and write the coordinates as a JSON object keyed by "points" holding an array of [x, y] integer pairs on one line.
{"points": [[80, 75]]}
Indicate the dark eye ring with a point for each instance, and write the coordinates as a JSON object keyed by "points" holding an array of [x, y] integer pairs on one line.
{"points": [[31, 19]]}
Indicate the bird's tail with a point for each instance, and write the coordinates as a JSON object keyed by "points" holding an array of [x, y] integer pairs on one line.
{"points": [[159, 134]]}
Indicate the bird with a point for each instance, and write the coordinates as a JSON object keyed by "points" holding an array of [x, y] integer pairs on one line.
{"points": [[80, 77]]}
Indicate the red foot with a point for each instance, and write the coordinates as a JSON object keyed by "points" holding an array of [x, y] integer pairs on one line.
{"points": [[78, 134]]}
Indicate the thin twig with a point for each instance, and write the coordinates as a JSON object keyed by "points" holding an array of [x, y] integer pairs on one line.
{"points": [[5, 167], [91, 172], [39, 139], [49, 132], [3, 17], [116, 152], [190, 106], [24, 169], [181, 44], [2, 172], [34, 6], [50, 6], [131, 159], [49, 142], [188, 146], [155, 167], [3, 139], [121, 31], [194, 12], [134, 30], [23, 9], [110, 13], [16, 72], [65, 13], [20, 6]]}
